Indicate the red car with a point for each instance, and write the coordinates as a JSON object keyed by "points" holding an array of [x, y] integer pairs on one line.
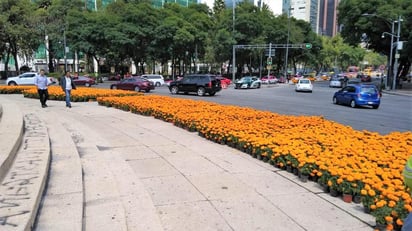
{"points": [[84, 81], [269, 80], [134, 84], [224, 80]]}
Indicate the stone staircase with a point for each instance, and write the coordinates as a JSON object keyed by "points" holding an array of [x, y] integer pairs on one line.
{"points": [[24, 167], [36, 192]]}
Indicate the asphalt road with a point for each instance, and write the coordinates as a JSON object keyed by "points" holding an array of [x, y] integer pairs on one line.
{"points": [[394, 113]]}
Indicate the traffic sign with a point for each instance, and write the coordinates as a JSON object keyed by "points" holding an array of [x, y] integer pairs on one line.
{"points": [[308, 45]]}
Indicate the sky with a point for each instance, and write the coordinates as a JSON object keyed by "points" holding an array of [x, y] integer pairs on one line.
{"points": [[274, 5]]}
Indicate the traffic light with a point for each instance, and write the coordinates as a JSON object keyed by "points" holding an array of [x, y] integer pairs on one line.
{"points": [[308, 45], [269, 61]]}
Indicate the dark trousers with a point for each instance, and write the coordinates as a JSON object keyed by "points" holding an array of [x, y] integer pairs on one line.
{"points": [[43, 95]]}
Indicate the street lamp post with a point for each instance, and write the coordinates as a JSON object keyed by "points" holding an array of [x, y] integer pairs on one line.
{"points": [[395, 66], [65, 52], [391, 69], [287, 45]]}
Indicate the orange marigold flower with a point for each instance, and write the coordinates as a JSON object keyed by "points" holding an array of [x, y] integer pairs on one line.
{"points": [[399, 221], [371, 192], [389, 219]]}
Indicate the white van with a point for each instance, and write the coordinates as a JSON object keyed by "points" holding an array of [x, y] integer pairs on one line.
{"points": [[157, 80]]}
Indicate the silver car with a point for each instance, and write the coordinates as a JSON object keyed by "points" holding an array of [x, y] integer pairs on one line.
{"points": [[336, 81]]}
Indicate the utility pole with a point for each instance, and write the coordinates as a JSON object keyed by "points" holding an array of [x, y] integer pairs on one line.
{"points": [[395, 66], [287, 45]]}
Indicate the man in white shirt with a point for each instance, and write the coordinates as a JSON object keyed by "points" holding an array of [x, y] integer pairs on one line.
{"points": [[42, 82], [67, 85]]}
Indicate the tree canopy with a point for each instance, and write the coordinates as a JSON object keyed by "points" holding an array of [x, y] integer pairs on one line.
{"points": [[126, 32]]}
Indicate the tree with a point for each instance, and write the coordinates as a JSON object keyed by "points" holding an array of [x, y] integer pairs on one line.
{"points": [[381, 15], [19, 33], [218, 7]]}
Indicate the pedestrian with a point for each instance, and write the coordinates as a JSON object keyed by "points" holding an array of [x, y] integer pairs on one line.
{"points": [[67, 85], [345, 81], [41, 81]]}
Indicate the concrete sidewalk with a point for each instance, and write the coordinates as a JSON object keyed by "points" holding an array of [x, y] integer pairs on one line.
{"points": [[145, 174]]}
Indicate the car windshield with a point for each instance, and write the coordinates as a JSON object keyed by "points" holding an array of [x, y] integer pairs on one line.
{"points": [[304, 81], [370, 90]]}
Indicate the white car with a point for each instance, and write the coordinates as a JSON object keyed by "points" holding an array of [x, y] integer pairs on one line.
{"points": [[26, 79], [335, 81], [304, 85], [157, 80], [248, 82]]}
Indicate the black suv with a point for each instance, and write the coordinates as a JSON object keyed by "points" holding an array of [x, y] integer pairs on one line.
{"points": [[200, 84]]}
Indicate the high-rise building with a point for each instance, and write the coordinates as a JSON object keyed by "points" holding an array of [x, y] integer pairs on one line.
{"points": [[306, 10], [328, 22]]}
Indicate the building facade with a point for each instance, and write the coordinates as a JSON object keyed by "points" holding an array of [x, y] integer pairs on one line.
{"points": [[328, 21]]}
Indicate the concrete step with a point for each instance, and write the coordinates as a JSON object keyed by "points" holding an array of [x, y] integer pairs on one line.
{"points": [[11, 133], [62, 204], [25, 177]]}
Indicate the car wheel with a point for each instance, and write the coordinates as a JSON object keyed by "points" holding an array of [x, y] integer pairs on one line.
{"points": [[201, 91], [157, 84], [258, 86], [335, 100], [87, 84], [113, 87], [375, 106], [147, 90], [12, 84], [353, 103], [212, 93], [137, 88], [174, 90]]}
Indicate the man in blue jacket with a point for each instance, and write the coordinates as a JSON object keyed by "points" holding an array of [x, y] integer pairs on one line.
{"points": [[67, 85]]}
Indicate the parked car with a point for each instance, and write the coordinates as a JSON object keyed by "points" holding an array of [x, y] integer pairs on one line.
{"points": [[26, 79], [136, 84], [336, 81], [269, 79], [157, 80], [248, 82], [358, 95], [224, 80], [304, 85], [198, 83], [84, 81]]}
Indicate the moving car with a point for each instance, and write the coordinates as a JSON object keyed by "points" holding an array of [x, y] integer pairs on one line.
{"points": [[224, 80], [358, 95], [248, 82], [26, 79], [336, 81], [134, 84], [199, 83], [84, 81], [157, 80], [304, 85], [269, 79]]}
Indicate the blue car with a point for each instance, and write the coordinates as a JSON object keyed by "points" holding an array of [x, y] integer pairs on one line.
{"points": [[358, 95]]}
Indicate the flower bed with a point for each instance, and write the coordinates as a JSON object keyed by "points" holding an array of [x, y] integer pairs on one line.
{"points": [[14, 89], [81, 94], [350, 161]]}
